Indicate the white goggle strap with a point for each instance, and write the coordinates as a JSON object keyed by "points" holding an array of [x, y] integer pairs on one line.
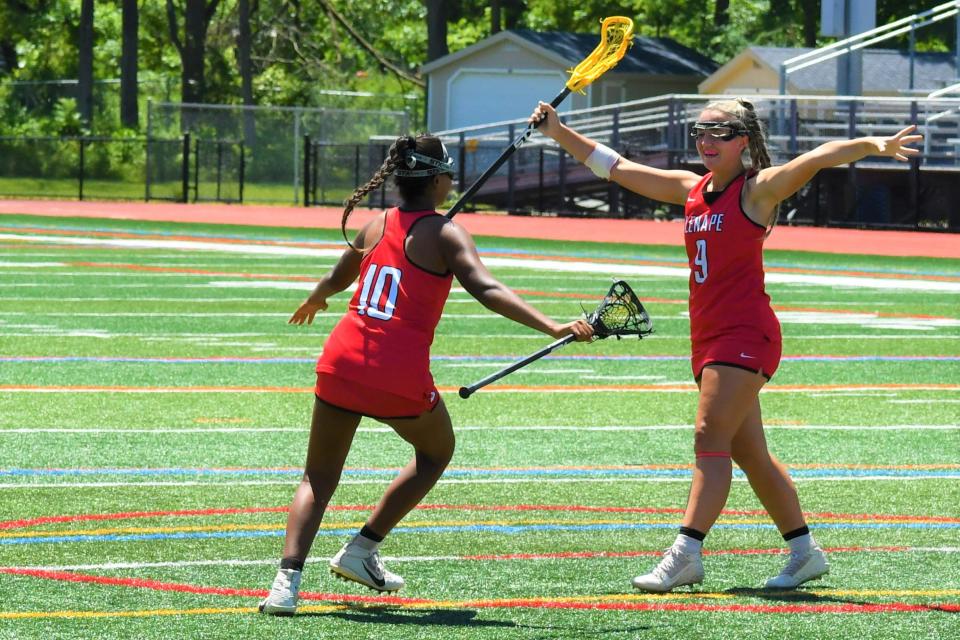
{"points": [[437, 166]]}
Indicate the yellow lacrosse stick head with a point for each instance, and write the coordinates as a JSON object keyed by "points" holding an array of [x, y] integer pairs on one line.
{"points": [[616, 36]]}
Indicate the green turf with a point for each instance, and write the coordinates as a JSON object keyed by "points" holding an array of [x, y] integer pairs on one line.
{"points": [[851, 411]]}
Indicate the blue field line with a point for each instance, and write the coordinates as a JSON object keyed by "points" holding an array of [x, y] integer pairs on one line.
{"points": [[473, 473], [488, 251], [505, 529], [443, 359]]}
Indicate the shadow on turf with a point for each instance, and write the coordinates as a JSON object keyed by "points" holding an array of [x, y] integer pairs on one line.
{"points": [[447, 618], [793, 595], [419, 617]]}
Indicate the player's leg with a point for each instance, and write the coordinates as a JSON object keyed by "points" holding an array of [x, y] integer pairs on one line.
{"points": [[431, 435], [771, 481], [726, 397], [768, 477], [331, 433]]}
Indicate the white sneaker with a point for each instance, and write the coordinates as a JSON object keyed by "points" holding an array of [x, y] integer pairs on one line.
{"points": [[801, 568], [282, 599], [360, 565], [675, 570]]}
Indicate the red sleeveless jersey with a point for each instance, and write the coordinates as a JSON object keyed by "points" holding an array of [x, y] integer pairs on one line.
{"points": [[384, 339], [725, 251]]}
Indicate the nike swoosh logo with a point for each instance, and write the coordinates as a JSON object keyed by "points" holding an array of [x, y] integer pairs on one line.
{"points": [[379, 581], [743, 355]]}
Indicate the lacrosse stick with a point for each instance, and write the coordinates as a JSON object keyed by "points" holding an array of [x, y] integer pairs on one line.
{"points": [[619, 314], [616, 36]]}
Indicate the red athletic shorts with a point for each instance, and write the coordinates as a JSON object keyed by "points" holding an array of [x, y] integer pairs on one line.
{"points": [[757, 353], [369, 401]]}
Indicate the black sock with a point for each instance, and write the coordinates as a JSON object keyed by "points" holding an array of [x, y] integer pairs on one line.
{"points": [[291, 563], [796, 533], [692, 533], [370, 534]]}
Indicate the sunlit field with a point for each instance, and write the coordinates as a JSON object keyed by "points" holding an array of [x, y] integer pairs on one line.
{"points": [[154, 407]]}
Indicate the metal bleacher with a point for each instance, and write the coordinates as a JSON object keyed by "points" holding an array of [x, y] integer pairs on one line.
{"points": [[541, 178]]}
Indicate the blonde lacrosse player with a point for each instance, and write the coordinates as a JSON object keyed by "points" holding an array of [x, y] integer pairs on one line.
{"points": [[376, 361], [735, 335]]}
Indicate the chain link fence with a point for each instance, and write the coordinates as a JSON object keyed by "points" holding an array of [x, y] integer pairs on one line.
{"points": [[272, 137]]}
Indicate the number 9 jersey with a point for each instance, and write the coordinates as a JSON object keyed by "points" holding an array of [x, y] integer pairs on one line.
{"points": [[728, 302], [384, 339]]}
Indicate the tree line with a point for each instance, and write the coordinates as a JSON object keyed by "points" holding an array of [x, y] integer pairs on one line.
{"points": [[55, 53]]}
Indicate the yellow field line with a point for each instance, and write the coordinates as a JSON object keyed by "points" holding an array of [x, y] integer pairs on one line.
{"points": [[453, 604], [886, 593]]}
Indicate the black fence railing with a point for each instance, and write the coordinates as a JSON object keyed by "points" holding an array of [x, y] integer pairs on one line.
{"points": [[542, 179], [100, 168]]}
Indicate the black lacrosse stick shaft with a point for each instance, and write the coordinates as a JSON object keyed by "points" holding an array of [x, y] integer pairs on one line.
{"points": [[629, 318], [466, 392], [503, 158]]}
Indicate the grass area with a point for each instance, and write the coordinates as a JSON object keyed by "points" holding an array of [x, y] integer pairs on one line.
{"points": [[153, 421], [253, 192]]}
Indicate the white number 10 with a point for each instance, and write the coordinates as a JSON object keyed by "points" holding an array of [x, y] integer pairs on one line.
{"points": [[370, 304]]}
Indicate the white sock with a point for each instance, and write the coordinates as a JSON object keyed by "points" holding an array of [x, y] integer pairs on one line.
{"points": [[686, 544], [365, 543], [801, 544]]}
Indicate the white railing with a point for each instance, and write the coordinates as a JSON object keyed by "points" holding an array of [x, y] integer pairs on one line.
{"points": [[803, 122], [867, 38]]}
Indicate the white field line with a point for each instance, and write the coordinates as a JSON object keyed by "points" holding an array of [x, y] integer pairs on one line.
{"points": [[839, 391], [553, 266], [387, 480], [214, 314], [130, 299], [173, 335], [109, 566], [482, 428]]}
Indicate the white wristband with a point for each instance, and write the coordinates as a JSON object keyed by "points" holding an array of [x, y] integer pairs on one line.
{"points": [[601, 160]]}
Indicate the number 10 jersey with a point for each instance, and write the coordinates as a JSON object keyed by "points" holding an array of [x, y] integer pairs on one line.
{"points": [[384, 339]]}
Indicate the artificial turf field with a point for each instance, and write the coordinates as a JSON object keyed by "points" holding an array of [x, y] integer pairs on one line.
{"points": [[153, 419]]}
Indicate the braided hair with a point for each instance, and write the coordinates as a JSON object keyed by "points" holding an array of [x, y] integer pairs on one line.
{"points": [[745, 112], [409, 187]]}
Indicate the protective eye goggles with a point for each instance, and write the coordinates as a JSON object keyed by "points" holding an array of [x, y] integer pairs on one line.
{"points": [[725, 131], [435, 166]]}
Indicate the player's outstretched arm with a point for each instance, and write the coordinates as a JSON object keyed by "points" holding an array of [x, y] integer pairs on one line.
{"points": [[460, 254], [776, 184], [663, 185], [341, 276]]}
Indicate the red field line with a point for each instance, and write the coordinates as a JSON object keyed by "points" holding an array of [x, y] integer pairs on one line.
{"points": [[130, 515], [198, 272], [516, 603], [156, 585]]}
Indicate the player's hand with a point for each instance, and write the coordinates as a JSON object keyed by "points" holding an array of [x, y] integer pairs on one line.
{"points": [[895, 145], [306, 311], [547, 118], [581, 329]]}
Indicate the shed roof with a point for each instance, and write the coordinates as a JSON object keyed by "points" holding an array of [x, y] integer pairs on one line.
{"points": [[654, 56], [884, 70]]}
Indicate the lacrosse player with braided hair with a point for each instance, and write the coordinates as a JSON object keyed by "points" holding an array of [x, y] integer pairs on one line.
{"points": [[735, 335], [376, 361]]}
